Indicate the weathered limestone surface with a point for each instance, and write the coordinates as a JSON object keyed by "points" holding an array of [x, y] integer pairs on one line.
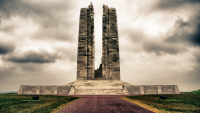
{"points": [[90, 42], [63, 90], [85, 59], [118, 87], [28, 90], [110, 49], [98, 87], [82, 48], [152, 89], [134, 89], [44, 90]]}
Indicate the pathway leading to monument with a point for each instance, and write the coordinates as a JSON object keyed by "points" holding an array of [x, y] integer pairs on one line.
{"points": [[103, 104]]}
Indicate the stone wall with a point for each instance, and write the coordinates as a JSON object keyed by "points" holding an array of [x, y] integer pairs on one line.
{"points": [[152, 89], [98, 87], [44, 90]]}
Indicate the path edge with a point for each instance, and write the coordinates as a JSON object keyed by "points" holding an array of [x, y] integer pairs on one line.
{"points": [[63, 106], [145, 106]]}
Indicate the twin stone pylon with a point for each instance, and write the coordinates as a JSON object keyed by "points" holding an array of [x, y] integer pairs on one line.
{"points": [[106, 79], [110, 47]]}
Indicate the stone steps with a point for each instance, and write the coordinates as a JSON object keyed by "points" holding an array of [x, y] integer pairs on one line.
{"points": [[98, 87], [98, 82], [98, 92]]}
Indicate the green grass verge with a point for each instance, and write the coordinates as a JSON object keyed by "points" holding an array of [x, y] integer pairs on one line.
{"points": [[185, 102], [197, 91], [14, 103]]}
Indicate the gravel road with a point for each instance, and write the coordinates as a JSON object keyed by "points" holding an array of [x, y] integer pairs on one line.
{"points": [[103, 104]]}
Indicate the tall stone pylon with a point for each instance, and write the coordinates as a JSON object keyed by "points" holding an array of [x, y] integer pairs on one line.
{"points": [[110, 49], [85, 59]]}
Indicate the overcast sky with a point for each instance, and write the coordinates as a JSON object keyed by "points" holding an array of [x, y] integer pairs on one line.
{"points": [[159, 41]]}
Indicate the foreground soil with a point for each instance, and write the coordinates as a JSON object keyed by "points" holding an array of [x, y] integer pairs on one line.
{"points": [[103, 104]]}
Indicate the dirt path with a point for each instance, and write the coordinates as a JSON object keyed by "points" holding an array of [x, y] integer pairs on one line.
{"points": [[103, 104]]}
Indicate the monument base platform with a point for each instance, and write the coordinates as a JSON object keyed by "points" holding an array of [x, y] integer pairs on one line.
{"points": [[98, 87]]}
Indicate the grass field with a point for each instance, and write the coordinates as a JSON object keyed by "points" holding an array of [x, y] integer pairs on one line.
{"points": [[14, 103], [185, 102]]}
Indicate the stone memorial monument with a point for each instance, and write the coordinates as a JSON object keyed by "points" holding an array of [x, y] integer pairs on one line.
{"points": [[106, 79]]}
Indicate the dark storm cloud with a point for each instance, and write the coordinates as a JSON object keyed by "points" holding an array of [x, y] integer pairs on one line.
{"points": [[172, 4], [161, 48], [180, 23], [177, 39], [42, 56], [6, 47], [42, 10], [50, 16], [185, 31], [195, 38], [179, 32]]}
